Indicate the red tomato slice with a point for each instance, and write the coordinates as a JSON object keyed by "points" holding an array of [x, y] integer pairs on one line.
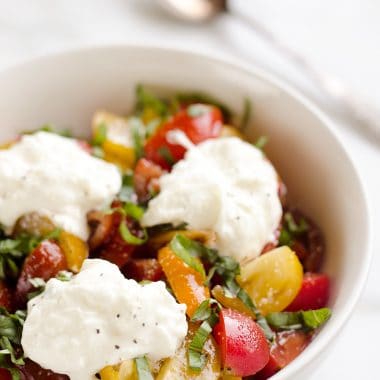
{"points": [[198, 121], [5, 296], [114, 248], [32, 371], [288, 345], [314, 293], [143, 270], [145, 178], [244, 349], [45, 261]]}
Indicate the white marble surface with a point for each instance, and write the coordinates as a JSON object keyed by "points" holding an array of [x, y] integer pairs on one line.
{"points": [[341, 36]]}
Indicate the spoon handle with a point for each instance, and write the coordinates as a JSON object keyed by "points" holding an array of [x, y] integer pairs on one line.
{"points": [[365, 117]]}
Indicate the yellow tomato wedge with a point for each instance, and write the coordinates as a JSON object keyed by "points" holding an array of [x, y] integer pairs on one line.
{"points": [[109, 373], [176, 368], [75, 250], [117, 146], [125, 371], [273, 279]]}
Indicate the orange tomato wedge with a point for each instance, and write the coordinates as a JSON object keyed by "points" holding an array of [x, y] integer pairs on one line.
{"points": [[186, 282]]}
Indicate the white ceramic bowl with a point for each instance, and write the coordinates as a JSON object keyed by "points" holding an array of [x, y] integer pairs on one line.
{"points": [[66, 89]]}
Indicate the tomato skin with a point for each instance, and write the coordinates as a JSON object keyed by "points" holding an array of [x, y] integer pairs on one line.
{"points": [[45, 261], [197, 128], [32, 371], [143, 270], [314, 293], [115, 249], [288, 345], [244, 348], [105, 239], [145, 178], [85, 146], [4, 374], [5, 296]]}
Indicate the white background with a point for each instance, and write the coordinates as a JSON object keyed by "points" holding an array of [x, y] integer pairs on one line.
{"points": [[341, 36]]}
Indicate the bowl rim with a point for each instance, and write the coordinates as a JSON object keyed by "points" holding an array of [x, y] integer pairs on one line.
{"points": [[236, 64]]}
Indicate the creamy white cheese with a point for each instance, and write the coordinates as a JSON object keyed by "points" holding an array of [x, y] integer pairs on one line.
{"points": [[99, 318], [225, 185], [54, 176]]}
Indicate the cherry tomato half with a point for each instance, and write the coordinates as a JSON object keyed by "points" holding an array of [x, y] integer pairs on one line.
{"points": [[288, 345], [273, 280], [145, 178], [45, 261], [244, 349], [198, 121], [314, 293]]}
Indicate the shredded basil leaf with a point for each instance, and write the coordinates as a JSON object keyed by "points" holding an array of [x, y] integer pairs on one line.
{"points": [[127, 192], [129, 237], [10, 338], [12, 253], [138, 135], [166, 154], [142, 368], [261, 142], [133, 210], [205, 310], [196, 357], [145, 99], [316, 318], [285, 237], [100, 134], [300, 320], [291, 229], [53, 235], [152, 126], [183, 248], [166, 227], [64, 276]]}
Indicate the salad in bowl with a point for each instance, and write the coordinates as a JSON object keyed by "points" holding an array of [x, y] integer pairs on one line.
{"points": [[162, 248]]}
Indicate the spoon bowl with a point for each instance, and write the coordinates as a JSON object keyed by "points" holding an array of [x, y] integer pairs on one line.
{"points": [[194, 10]]}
